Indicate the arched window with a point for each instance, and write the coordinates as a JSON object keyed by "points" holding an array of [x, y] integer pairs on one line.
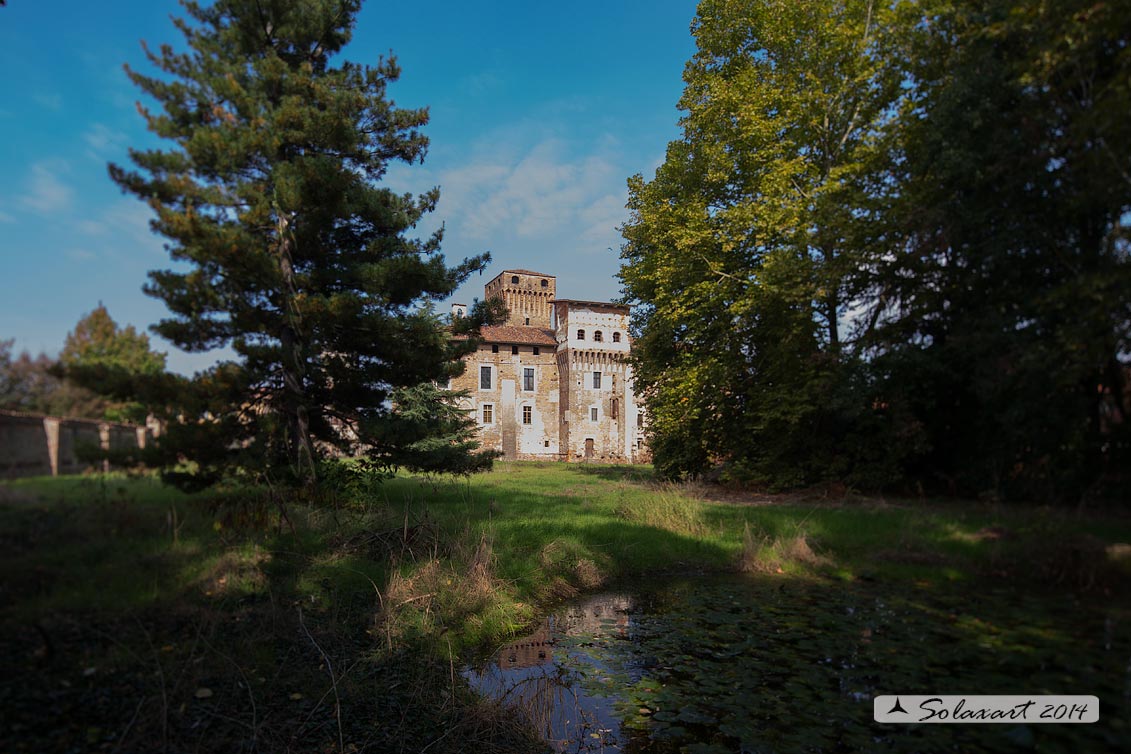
{"points": [[597, 336], [616, 337], [514, 279], [545, 283], [581, 335]]}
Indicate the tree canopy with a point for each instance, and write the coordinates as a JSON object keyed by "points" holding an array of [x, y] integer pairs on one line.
{"points": [[98, 351], [288, 249], [891, 247], [85, 381]]}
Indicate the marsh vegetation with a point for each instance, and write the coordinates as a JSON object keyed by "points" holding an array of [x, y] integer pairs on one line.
{"points": [[140, 616]]}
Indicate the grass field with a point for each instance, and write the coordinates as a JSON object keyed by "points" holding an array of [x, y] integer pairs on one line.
{"points": [[138, 613]]}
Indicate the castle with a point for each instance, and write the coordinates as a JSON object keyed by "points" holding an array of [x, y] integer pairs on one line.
{"points": [[552, 383]]}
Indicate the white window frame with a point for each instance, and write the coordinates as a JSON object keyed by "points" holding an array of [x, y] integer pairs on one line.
{"points": [[484, 410], [533, 379], [594, 414], [523, 414], [596, 378]]}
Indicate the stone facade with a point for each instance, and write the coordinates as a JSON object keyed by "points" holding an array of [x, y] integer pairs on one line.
{"points": [[553, 382]]}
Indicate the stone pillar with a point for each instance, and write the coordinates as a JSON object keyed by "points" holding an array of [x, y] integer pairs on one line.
{"points": [[51, 429], [104, 443]]}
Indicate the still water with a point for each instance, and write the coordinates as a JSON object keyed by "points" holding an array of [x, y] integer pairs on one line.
{"points": [[759, 665]]}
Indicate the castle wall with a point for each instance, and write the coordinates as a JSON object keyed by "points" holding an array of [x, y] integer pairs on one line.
{"points": [[580, 405], [508, 428], [599, 412]]}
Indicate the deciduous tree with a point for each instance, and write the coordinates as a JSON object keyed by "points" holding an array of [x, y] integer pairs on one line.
{"points": [[738, 248]]}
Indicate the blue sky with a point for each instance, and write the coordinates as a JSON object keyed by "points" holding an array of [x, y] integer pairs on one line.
{"points": [[539, 113]]}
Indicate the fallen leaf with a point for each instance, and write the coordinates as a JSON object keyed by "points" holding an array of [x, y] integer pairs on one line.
{"points": [[203, 693]]}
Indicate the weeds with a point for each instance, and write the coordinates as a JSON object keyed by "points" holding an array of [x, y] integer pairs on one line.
{"points": [[397, 584], [762, 553]]}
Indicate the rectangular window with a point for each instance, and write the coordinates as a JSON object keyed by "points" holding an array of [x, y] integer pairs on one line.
{"points": [[527, 414], [488, 413], [484, 378], [614, 409], [537, 350], [640, 421], [528, 378], [593, 414], [494, 349], [597, 380], [514, 349]]}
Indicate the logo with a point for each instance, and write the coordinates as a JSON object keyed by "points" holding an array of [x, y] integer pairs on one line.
{"points": [[913, 708]]}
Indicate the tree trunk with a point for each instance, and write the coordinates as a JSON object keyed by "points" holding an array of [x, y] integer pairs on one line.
{"points": [[831, 306], [299, 448]]}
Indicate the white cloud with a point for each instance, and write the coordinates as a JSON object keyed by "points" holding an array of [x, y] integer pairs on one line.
{"points": [[602, 218], [46, 192], [129, 219], [536, 196], [103, 141], [536, 193]]}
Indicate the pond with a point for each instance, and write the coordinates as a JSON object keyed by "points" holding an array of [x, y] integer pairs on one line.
{"points": [[730, 664]]}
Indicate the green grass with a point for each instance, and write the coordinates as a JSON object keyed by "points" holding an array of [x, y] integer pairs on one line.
{"points": [[396, 582], [549, 531]]}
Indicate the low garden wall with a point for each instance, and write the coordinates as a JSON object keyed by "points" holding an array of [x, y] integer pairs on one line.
{"points": [[37, 445]]}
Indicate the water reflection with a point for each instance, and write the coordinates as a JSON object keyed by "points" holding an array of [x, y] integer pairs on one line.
{"points": [[741, 665], [545, 675]]}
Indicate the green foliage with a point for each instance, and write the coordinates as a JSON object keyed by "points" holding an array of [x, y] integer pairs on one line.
{"points": [[98, 354], [951, 180], [429, 432], [738, 248], [295, 257], [97, 339], [35, 384], [1002, 317]]}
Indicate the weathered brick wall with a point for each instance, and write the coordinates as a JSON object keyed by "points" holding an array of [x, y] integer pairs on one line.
{"points": [[507, 399], [528, 295], [36, 445], [564, 416]]}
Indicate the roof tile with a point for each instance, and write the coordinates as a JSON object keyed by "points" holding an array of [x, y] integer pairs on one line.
{"points": [[518, 334]]}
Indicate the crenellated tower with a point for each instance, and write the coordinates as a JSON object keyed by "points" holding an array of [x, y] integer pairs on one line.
{"points": [[528, 295]]}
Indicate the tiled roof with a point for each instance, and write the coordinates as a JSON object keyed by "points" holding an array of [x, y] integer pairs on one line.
{"points": [[536, 336], [611, 304]]}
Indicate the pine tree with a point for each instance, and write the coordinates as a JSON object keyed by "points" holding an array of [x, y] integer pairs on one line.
{"points": [[288, 250]]}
